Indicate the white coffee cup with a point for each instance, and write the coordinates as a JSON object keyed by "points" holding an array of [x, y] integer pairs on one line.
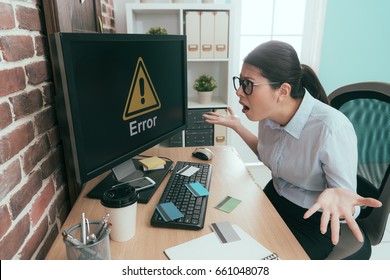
{"points": [[121, 203]]}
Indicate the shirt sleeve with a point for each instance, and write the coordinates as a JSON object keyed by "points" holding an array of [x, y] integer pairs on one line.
{"points": [[339, 156], [340, 159]]}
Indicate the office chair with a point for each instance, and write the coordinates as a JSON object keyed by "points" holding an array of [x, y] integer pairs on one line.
{"points": [[367, 105]]}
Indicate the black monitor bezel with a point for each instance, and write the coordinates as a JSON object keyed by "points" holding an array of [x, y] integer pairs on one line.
{"points": [[65, 107]]}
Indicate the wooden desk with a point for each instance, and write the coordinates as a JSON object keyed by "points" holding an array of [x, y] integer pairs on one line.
{"points": [[255, 214]]}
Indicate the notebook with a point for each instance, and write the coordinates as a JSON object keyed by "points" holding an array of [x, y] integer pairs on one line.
{"points": [[210, 247]]}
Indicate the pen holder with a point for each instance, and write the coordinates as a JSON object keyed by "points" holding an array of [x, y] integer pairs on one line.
{"points": [[99, 250]]}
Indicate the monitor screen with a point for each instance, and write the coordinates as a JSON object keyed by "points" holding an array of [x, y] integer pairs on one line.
{"points": [[117, 95]]}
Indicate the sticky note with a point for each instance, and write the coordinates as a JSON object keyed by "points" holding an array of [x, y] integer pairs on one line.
{"points": [[152, 162], [225, 232], [228, 204], [197, 189], [169, 211]]}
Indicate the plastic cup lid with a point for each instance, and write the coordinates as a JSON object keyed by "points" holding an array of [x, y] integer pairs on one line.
{"points": [[118, 197]]}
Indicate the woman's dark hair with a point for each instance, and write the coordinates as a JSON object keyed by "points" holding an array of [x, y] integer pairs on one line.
{"points": [[279, 62]]}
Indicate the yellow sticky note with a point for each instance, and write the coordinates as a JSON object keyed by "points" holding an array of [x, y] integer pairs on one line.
{"points": [[152, 162]]}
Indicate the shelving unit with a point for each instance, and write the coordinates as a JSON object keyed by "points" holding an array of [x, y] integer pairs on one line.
{"points": [[140, 17]]}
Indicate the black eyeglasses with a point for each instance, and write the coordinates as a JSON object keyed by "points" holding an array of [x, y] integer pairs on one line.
{"points": [[247, 86]]}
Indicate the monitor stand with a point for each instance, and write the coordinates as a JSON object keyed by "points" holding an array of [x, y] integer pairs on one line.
{"points": [[127, 171], [130, 170]]}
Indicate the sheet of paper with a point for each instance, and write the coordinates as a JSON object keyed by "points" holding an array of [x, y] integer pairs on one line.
{"points": [[169, 211], [209, 247], [197, 189], [228, 204]]}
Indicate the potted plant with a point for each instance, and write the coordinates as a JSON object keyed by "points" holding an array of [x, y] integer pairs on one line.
{"points": [[157, 30], [205, 85]]}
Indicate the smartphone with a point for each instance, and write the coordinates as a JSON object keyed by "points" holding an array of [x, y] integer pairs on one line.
{"points": [[142, 183]]}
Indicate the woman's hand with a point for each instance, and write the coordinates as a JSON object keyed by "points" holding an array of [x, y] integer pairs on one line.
{"points": [[336, 204], [230, 120]]}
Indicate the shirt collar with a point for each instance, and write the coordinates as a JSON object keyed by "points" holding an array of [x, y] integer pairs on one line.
{"points": [[299, 120]]}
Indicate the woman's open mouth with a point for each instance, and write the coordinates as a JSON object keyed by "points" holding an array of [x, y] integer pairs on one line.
{"points": [[245, 108]]}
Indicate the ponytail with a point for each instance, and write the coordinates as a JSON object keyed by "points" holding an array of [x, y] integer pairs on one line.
{"points": [[313, 85], [278, 62]]}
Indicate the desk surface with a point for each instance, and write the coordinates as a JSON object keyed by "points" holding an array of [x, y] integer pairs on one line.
{"points": [[255, 214]]}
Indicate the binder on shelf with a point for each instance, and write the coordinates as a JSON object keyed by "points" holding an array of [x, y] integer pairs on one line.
{"points": [[207, 34], [221, 34], [192, 19]]}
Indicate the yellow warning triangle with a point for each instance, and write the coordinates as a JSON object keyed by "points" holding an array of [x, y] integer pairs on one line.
{"points": [[142, 96]]}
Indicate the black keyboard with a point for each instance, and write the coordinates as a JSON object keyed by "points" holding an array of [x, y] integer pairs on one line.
{"points": [[193, 208]]}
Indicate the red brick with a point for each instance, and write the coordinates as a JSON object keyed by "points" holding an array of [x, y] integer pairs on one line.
{"points": [[23, 196], [60, 178], [16, 140], [28, 18], [10, 176], [34, 241], [54, 137], [11, 243], [51, 163], [5, 115], [7, 20], [12, 80], [5, 219], [27, 103], [35, 153], [48, 243], [41, 46], [48, 94], [42, 202], [60, 208], [16, 47], [45, 120], [38, 72]]}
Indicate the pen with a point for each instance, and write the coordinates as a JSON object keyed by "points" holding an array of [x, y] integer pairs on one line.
{"points": [[83, 234], [68, 237], [101, 225], [99, 234]]}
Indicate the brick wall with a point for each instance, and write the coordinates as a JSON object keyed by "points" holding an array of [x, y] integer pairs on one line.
{"points": [[33, 194], [108, 17]]}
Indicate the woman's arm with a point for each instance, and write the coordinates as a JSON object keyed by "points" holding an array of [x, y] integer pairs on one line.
{"points": [[232, 121], [336, 204]]}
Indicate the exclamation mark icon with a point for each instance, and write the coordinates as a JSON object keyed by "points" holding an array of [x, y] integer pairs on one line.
{"points": [[142, 89]]}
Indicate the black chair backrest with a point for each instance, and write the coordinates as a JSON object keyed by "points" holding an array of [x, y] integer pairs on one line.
{"points": [[367, 106]]}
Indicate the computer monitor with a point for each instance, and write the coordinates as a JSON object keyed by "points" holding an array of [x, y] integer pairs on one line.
{"points": [[117, 96]]}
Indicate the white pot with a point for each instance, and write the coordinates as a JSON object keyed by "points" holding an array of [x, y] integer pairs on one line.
{"points": [[204, 97]]}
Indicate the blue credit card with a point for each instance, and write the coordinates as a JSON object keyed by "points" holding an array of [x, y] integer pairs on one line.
{"points": [[169, 211], [197, 189]]}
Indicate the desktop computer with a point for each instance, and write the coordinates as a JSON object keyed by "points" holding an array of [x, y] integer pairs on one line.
{"points": [[117, 96]]}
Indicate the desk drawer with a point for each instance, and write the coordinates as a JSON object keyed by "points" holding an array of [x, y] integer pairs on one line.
{"points": [[204, 137]]}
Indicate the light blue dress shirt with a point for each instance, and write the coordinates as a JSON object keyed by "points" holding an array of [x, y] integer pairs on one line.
{"points": [[316, 150]]}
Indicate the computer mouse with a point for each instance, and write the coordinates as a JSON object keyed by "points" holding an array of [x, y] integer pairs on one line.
{"points": [[203, 153]]}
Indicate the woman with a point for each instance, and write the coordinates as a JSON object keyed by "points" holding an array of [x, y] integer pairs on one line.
{"points": [[309, 147]]}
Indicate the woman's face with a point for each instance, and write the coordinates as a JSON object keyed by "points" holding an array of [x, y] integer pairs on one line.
{"points": [[261, 104]]}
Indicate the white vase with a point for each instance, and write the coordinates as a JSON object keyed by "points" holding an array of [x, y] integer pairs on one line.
{"points": [[204, 97]]}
